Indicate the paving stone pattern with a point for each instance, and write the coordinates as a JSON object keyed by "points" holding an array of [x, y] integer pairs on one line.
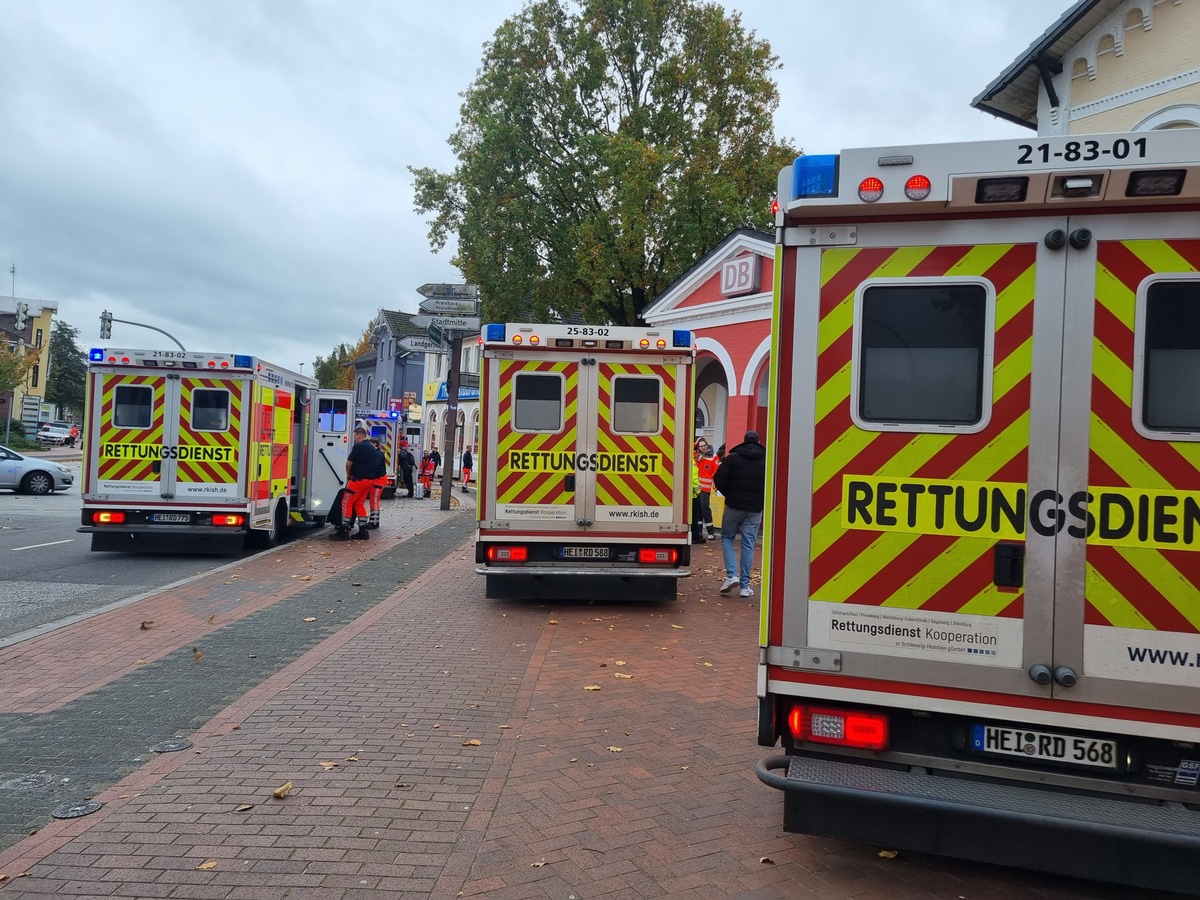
{"points": [[442, 745]]}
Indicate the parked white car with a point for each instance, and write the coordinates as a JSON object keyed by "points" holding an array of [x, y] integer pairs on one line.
{"points": [[54, 433], [30, 475]]}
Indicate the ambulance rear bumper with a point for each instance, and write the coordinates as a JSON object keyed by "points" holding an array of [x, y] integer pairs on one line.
{"points": [[1083, 835], [593, 570]]}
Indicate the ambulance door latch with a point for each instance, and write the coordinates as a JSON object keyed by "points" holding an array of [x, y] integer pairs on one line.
{"points": [[568, 482]]}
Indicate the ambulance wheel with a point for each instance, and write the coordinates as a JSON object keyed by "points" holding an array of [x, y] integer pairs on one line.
{"points": [[271, 536]]}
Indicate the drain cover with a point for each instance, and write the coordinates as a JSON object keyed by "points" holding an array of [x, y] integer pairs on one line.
{"points": [[73, 809], [27, 782], [172, 746]]}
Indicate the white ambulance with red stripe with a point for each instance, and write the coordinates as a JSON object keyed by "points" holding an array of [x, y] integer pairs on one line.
{"points": [[195, 452], [584, 475], [980, 631]]}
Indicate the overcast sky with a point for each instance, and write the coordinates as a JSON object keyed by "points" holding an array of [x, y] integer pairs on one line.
{"points": [[234, 171]]}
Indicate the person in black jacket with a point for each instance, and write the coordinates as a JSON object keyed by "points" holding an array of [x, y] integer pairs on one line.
{"points": [[408, 462], [742, 480]]}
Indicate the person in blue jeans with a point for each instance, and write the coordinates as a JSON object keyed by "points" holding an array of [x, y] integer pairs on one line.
{"points": [[742, 480]]}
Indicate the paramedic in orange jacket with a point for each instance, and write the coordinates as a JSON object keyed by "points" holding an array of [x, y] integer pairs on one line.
{"points": [[706, 465], [361, 464]]}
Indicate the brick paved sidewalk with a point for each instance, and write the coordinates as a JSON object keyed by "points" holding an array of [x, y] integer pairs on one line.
{"points": [[443, 745]]}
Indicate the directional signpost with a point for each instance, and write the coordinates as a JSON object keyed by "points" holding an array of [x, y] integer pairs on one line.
{"points": [[448, 312], [421, 345]]}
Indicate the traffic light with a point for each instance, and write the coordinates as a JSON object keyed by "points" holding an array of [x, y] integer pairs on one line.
{"points": [[22, 317], [106, 324]]}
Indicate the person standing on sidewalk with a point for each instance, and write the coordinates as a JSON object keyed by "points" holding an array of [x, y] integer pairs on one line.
{"points": [[742, 479], [408, 462], [467, 465], [706, 464], [361, 463], [381, 479]]}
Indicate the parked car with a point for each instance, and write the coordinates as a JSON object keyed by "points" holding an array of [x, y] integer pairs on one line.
{"points": [[30, 475], [54, 433]]}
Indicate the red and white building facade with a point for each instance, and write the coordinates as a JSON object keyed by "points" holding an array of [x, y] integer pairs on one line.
{"points": [[725, 300]]}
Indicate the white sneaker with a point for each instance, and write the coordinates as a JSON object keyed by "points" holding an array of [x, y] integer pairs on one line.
{"points": [[728, 585], [745, 592]]}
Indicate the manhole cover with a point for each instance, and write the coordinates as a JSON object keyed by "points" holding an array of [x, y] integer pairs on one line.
{"points": [[73, 809], [172, 746], [27, 782]]}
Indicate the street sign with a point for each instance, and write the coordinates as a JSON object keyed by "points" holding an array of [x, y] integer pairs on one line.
{"points": [[448, 323], [420, 345], [437, 335], [450, 291], [442, 306]]}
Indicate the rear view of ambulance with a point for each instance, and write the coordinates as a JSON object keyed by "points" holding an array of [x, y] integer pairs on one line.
{"points": [[584, 478], [980, 633]]}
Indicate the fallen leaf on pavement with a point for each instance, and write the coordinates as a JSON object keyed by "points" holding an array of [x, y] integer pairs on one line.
{"points": [[592, 687], [329, 764], [708, 665], [767, 860], [621, 675], [282, 791], [352, 758], [208, 864], [356, 584], [615, 749], [310, 618], [680, 627], [147, 624], [473, 742], [196, 654], [619, 662], [889, 854], [242, 807], [212, 619], [537, 865]]}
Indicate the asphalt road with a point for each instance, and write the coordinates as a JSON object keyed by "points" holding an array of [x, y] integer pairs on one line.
{"points": [[50, 576]]}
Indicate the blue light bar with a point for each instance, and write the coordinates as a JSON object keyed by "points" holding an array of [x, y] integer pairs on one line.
{"points": [[815, 176], [96, 354], [681, 338], [243, 362], [393, 413], [493, 332]]}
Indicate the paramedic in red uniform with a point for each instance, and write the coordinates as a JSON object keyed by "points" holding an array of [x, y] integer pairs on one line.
{"points": [[381, 482], [361, 465]]}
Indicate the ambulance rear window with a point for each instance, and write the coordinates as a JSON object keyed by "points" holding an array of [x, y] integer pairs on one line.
{"points": [[332, 414], [210, 410], [538, 402], [637, 403], [132, 406], [921, 354], [1172, 356]]}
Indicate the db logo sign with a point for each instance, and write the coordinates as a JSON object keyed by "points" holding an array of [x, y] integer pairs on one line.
{"points": [[740, 275]]}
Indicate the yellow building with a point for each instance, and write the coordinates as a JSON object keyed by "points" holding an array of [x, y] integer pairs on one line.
{"points": [[26, 402], [1106, 66]]}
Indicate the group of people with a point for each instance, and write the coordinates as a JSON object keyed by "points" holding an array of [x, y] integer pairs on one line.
{"points": [[741, 477], [367, 476]]}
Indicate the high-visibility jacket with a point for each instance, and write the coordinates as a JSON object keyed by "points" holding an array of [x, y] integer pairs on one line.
{"points": [[707, 468]]}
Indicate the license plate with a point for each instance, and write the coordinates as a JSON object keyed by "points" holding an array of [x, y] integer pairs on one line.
{"points": [[1044, 745], [182, 518], [584, 552]]}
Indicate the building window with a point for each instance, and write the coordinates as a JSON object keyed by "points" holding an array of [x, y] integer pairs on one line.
{"points": [[34, 376], [920, 356], [37, 340]]}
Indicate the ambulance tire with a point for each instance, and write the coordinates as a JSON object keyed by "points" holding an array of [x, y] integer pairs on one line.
{"points": [[269, 538]]}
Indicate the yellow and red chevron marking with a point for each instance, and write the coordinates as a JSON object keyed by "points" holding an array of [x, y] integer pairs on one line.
{"points": [[540, 487], [641, 489], [146, 440], [1136, 587], [917, 571], [209, 471]]}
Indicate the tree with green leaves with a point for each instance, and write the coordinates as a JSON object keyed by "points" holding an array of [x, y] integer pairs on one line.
{"points": [[335, 371], [14, 366], [604, 147], [68, 369]]}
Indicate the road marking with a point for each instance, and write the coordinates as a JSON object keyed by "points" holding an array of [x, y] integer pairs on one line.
{"points": [[51, 544]]}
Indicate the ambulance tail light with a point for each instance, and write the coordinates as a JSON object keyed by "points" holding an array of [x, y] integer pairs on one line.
{"points": [[918, 187], [108, 517], [842, 727], [229, 520], [501, 553], [870, 189], [658, 556]]}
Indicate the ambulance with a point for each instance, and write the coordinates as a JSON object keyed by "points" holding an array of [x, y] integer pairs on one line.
{"points": [[198, 452], [584, 480], [388, 429], [980, 627]]}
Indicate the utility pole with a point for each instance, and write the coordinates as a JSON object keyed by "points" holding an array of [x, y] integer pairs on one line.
{"points": [[452, 379]]}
